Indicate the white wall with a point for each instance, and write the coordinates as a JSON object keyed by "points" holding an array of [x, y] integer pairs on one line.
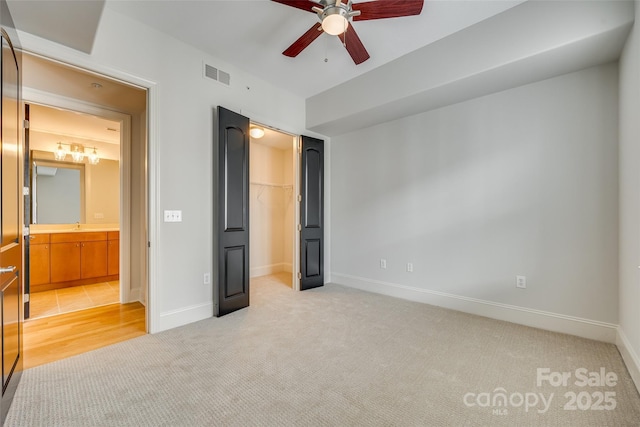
{"points": [[181, 109], [520, 182], [629, 331], [102, 192]]}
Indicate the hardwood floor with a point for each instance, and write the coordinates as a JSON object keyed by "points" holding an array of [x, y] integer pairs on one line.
{"points": [[53, 338]]}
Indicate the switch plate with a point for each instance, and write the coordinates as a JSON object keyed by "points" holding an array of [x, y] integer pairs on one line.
{"points": [[410, 267], [172, 216], [383, 263], [206, 279], [521, 282]]}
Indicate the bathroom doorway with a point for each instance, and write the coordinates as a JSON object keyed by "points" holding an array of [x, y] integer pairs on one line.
{"points": [[119, 108], [273, 166], [74, 200]]}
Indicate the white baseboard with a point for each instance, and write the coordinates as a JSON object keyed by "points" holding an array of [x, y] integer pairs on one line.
{"points": [[592, 329], [136, 295], [183, 316], [630, 357], [265, 270]]}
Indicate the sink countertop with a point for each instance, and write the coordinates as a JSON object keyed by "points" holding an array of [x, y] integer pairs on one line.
{"points": [[82, 230], [69, 228]]}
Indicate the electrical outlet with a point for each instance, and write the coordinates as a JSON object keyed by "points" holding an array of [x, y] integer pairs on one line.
{"points": [[206, 279], [410, 267], [521, 282], [383, 263]]}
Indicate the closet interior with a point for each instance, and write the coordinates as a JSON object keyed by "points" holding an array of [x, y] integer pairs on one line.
{"points": [[272, 166]]}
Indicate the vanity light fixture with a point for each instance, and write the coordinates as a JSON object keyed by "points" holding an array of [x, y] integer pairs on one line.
{"points": [[256, 132], [59, 154], [93, 157], [77, 153]]}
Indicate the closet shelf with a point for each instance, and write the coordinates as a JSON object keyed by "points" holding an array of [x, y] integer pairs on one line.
{"points": [[269, 184]]}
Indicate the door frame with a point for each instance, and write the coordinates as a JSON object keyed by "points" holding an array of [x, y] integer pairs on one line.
{"points": [[58, 53], [297, 153], [31, 96]]}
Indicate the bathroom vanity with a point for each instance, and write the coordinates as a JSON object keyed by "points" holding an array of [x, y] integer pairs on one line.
{"points": [[73, 258]]}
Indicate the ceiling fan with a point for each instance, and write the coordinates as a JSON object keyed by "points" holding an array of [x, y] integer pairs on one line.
{"points": [[335, 17]]}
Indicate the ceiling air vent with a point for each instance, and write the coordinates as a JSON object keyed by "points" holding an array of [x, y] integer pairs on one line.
{"points": [[217, 75]]}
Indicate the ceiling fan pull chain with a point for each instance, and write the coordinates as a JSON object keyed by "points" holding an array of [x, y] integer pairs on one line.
{"points": [[326, 50], [344, 34]]}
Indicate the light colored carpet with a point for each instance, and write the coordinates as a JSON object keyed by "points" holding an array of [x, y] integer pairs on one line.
{"points": [[332, 356]]}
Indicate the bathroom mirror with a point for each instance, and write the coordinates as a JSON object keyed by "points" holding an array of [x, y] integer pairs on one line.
{"points": [[64, 192], [57, 191]]}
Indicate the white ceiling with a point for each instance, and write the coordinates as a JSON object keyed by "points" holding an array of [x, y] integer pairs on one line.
{"points": [[472, 46], [251, 34], [48, 126]]}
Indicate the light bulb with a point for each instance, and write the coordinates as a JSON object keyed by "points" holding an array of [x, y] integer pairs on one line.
{"points": [[335, 24], [59, 154], [77, 153], [93, 157]]}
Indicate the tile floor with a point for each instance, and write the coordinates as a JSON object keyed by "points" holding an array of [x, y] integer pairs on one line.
{"points": [[58, 301]]}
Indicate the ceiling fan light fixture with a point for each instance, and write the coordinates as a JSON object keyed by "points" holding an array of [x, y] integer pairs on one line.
{"points": [[335, 20]]}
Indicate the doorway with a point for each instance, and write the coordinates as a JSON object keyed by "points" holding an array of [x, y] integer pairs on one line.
{"points": [[273, 175], [121, 109], [74, 242]]}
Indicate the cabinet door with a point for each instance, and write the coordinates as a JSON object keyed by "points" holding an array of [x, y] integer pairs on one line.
{"points": [[93, 259], [65, 262], [113, 257], [39, 264]]}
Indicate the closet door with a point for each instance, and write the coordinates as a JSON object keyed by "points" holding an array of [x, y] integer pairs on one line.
{"points": [[231, 292], [312, 214]]}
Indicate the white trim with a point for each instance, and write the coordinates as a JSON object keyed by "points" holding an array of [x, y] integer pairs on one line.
{"points": [[136, 295], [629, 356], [556, 322], [153, 212], [183, 316], [265, 270], [72, 57]]}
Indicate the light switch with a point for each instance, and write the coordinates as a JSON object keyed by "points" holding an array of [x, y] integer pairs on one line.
{"points": [[172, 216]]}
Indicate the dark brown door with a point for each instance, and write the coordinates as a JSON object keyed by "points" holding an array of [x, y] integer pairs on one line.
{"points": [[231, 290], [10, 223], [312, 214]]}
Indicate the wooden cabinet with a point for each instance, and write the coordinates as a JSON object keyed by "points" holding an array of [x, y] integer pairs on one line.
{"points": [[65, 262], [113, 253], [70, 259], [39, 259], [93, 259]]}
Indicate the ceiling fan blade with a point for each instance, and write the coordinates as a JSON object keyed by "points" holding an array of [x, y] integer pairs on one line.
{"points": [[300, 4], [304, 41], [354, 45], [387, 9]]}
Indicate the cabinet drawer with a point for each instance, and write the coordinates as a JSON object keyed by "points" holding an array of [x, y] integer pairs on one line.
{"points": [[78, 237], [36, 239], [113, 235]]}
